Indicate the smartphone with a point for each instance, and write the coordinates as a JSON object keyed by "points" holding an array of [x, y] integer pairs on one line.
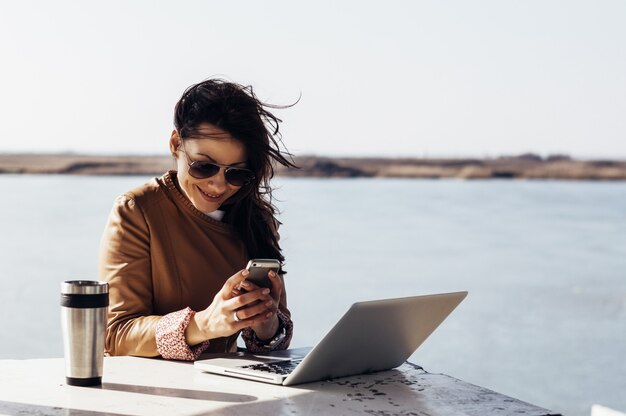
{"points": [[259, 268]]}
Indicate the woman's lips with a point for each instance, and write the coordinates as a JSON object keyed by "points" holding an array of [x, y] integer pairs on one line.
{"points": [[210, 197]]}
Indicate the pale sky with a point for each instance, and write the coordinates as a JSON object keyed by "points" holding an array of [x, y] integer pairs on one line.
{"points": [[404, 78]]}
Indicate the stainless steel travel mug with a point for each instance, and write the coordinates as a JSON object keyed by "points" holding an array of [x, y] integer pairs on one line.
{"points": [[83, 319]]}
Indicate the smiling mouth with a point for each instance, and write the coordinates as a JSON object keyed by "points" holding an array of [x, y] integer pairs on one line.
{"points": [[211, 197]]}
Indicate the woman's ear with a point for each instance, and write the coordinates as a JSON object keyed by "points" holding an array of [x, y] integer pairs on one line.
{"points": [[174, 143]]}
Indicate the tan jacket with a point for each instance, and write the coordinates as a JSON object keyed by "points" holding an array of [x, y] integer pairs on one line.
{"points": [[160, 255]]}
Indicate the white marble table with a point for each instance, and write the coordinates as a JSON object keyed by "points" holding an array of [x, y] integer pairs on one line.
{"points": [[142, 386]]}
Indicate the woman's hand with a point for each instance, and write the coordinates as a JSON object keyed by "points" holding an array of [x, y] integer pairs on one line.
{"points": [[232, 310], [266, 329]]}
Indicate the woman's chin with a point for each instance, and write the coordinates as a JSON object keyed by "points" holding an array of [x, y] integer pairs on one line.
{"points": [[206, 206]]}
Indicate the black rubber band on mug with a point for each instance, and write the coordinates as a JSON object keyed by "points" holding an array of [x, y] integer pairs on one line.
{"points": [[83, 382], [85, 301]]}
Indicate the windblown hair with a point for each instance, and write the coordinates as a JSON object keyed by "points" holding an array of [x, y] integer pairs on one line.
{"points": [[235, 109]]}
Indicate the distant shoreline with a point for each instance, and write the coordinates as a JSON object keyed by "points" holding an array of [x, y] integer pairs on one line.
{"points": [[527, 166]]}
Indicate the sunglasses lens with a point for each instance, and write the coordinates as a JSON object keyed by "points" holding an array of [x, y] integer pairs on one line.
{"points": [[203, 170], [238, 177]]}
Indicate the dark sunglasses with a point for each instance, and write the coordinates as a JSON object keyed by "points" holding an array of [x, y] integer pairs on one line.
{"points": [[201, 169]]}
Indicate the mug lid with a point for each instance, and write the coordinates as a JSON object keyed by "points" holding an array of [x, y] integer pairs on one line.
{"points": [[84, 287]]}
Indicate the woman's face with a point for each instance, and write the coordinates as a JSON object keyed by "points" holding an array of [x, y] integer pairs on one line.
{"points": [[214, 145]]}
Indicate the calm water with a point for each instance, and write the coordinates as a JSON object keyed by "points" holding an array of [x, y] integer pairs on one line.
{"points": [[544, 262]]}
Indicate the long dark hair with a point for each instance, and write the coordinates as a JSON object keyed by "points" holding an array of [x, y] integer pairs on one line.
{"points": [[235, 109]]}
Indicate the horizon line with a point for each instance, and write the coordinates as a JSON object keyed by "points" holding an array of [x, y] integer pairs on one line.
{"points": [[528, 154]]}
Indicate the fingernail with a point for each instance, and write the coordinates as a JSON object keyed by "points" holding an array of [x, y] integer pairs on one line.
{"points": [[269, 314], [266, 291], [269, 303], [245, 284], [245, 273], [272, 274]]}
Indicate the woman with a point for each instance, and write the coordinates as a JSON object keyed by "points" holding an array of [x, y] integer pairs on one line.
{"points": [[170, 246]]}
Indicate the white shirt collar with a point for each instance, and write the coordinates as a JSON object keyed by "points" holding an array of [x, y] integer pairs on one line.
{"points": [[216, 215]]}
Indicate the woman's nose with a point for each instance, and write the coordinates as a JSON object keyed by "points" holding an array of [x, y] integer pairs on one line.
{"points": [[218, 181]]}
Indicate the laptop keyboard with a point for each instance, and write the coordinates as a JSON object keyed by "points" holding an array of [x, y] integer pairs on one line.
{"points": [[276, 367]]}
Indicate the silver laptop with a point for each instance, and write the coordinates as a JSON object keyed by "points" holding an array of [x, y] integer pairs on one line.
{"points": [[372, 336]]}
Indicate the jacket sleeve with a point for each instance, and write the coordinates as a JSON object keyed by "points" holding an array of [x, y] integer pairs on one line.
{"points": [[125, 265], [132, 328]]}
